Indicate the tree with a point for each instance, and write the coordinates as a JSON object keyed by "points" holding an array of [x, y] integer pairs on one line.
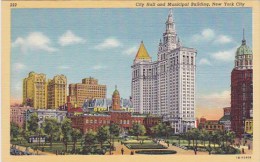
{"points": [[114, 130], [39, 133], [138, 130], [203, 134], [75, 135], [51, 128], [33, 122], [89, 141], [66, 131], [14, 130], [102, 135]]}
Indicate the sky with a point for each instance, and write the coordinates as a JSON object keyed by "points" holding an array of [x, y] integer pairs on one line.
{"points": [[102, 43]]}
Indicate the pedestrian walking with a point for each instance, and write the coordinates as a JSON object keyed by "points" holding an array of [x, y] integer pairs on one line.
{"points": [[122, 151], [132, 152], [249, 147], [243, 151]]}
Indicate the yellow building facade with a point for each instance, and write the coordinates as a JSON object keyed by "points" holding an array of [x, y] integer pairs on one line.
{"points": [[249, 126], [35, 90], [57, 91], [88, 89]]}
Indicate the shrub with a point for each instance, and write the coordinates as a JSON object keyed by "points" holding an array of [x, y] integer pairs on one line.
{"points": [[145, 146], [156, 152]]}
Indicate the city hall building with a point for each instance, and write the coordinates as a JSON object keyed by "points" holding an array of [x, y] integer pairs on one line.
{"points": [[166, 86], [125, 119]]}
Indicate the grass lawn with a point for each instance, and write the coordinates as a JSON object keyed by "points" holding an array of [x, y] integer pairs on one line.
{"points": [[145, 146], [56, 146]]}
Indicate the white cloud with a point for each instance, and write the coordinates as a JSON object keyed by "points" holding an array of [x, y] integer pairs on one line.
{"points": [[214, 100], [225, 55], [108, 43], [34, 41], [18, 66], [209, 35], [63, 67], [204, 61], [70, 38], [223, 39], [99, 67], [205, 35], [131, 51]]}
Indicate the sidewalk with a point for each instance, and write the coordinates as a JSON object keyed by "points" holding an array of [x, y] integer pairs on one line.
{"points": [[22, 148]]}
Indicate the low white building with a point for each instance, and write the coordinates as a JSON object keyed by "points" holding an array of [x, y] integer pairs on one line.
{"points": [[46, 113]]}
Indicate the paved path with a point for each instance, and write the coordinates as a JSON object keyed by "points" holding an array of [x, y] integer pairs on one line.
{"points": [[182, 151], [34, 152], [179, 150]]}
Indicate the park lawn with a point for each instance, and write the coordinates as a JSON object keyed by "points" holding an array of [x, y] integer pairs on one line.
{"points": [[138, 142], [56, 146]]}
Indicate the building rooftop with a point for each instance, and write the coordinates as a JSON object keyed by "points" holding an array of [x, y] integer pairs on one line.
{"points": [[225, 118], [142, 53]]}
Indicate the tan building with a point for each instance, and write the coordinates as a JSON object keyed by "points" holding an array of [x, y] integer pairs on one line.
{"points": [[35, 90], [57, 91], [249, 126], [88, 89]]}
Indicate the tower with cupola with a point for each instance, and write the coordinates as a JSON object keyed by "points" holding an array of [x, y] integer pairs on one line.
{"points": [[242, 88]]}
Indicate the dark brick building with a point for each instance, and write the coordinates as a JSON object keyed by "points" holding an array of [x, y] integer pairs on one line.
{"points": [[242, 89]]}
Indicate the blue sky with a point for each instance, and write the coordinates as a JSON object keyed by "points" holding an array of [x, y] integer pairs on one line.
{"points": [[102, 43]]}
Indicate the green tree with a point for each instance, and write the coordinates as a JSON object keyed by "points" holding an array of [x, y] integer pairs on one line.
{"points": [[66, 132], [33, 122], [89, 141], [203, 134], [114, 130], [138, 130], [51, 128], [75, 135], [39, 133], [14, 130], [102, 135]]}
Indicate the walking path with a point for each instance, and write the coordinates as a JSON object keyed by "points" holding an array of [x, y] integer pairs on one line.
{"points": [[34, 152], [181, 151]]}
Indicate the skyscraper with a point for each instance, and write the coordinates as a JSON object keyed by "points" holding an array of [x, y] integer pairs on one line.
{"points": [[242, 88], [35, 90], [57, 91], [88, 89], [167, 86]]}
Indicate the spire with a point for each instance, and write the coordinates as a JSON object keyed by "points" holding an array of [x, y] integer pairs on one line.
{"points": [[243, 41], [170, 27], [115, 87], [142, 53], [170, 17]]}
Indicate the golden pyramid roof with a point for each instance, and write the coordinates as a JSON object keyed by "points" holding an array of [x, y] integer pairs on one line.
{"points": [[142, 53]]}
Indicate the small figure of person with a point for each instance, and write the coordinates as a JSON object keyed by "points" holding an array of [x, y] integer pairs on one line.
{"points": [[243, 151], [122, 151], [249, 147], [132, 152], [195, 150]]}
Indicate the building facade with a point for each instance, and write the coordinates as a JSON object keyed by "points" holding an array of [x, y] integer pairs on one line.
{"points": [[242, 88], [212, 125], [225, 119], [167, 86], [35, 90], [17, 114], [88, 89], [57, 92], [249, 126], [44, 114], [125, 119]]}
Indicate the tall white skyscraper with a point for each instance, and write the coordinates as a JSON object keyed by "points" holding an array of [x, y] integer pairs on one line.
{"points": [[167, 86]]}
